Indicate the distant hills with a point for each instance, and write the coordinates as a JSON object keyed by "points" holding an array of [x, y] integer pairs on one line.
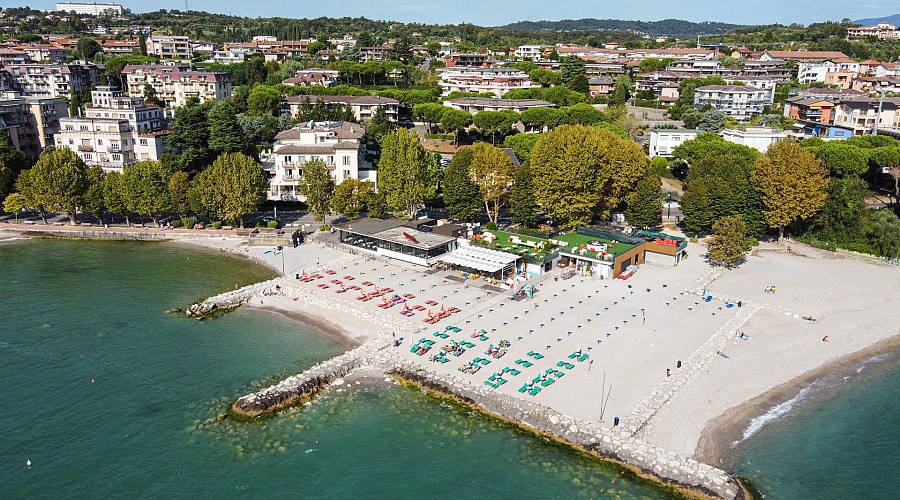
{"points": [[872, 21], [666, 27]]}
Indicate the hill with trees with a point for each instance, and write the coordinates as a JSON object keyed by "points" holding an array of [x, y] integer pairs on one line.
{"points": [[665, 27]]}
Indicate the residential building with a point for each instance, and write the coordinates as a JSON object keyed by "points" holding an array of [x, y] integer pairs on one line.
{"points": [[477, 104], [379, 53], [663, 141], [116, 130], [119, 47], [766, 83], [861, 115], [737, 101], [171, 48], [819, 71], [601, 85], [758, 138], [30, 122], [830, 94], [461, 59], [886, 69], [341, 145], [323, 77], [14, 56], [497, 81], [528, 52], [363, 106], [801, 55], [54, 80], [824, 131], [231, 56], [884, 31], [90, 8], [809, 109], [176, 84], [45, 53]]}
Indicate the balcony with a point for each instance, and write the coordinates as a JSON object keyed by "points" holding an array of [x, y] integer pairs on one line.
{"points": [[86, 149]]}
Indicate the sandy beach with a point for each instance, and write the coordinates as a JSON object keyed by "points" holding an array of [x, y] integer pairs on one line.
{"points": [[613, 347]]}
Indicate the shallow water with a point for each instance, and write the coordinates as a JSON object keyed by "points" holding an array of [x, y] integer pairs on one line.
{"points": [[837, 440], [108, 394]]}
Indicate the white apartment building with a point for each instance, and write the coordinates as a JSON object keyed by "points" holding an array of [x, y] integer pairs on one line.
{"points": [[170, 47], [54, 80], [116, 131], [528, 52], [861, 116], [363, 106], [314, 76], [477, 104], [817, 71], [758, 138], [176, 84], [663, 141], [90, 8], [497, 81], [884, 31], [737, 101], [341, 145], [30, 122]]}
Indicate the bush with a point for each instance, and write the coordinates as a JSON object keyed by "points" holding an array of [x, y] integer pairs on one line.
{"points": [[189, 222], [661, 166], [524, 231], [273, 224], [176, 223], [217, 225], [491, 226], [324, 227]]}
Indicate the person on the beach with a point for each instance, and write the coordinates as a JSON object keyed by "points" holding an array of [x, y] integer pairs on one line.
{"points": [[668, 372], [825, 338]]}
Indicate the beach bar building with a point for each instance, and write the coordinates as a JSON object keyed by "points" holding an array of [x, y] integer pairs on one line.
{"points": [[609, 254], [536, 255], [474, 261], [397, 239]]}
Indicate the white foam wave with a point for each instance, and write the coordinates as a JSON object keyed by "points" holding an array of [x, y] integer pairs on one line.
{"points": [[774, 413], [14, 238]]}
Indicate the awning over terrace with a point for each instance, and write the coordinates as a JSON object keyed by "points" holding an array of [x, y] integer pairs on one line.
{"points": [[480, 259]]}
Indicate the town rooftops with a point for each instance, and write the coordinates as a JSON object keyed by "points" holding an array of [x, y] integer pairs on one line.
{"points": [[396, 231], [805, 54], [503, 103], [730, 88], [345, 99], [342, 130]]}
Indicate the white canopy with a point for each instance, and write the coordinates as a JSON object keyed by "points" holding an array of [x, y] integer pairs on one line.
{"points": [[481, 259]]}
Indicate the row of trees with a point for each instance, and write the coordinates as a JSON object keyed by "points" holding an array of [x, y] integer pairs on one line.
{"points": [[231, 187], [813, 189]]}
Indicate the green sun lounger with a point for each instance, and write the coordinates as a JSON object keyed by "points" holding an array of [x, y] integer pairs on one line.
{"points": [[524, 388], [548, 382], [561, 363], [558, 373], [538, 356], [573, 355], [535, 391], [583, 357], [527, 364], [514, 372]]}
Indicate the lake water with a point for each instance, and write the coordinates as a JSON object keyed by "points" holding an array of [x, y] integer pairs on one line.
{"points": [[109, 395]]}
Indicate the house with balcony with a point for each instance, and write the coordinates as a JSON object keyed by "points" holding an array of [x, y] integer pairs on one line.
{"points": [[314, 76], [496, 81], [862, 115], [170, 47], [809, 109], [477, 104], [176, 84], [54, 80], [116, 131], [740, 102], [30, 122], [758, 138], [528, 52], [363, 107], [340, 145], [664, 140]]}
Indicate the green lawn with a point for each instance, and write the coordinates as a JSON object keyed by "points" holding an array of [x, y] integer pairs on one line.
{"points": [[574, 239]]}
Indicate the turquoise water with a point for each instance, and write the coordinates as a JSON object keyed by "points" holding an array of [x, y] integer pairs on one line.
{"points": [[111, 396], [840, 440]]}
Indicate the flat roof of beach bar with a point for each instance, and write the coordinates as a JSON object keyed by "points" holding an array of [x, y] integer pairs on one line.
{"points": [[396, 238]]}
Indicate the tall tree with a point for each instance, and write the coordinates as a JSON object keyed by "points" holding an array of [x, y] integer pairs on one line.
{"points": [[645, 202], [58, 181], [461, 195], [225, 135], [190, 136], [264, 101], [719, 186], [86, 48], [350, 197], [114, 196], [884, 233], [317, 186], [621, 92], [792, 182], [12, 161], [407, 174], [455, 119], [843, 159], [521, 144], [94, 201], [145, 185], [580, 172], [180, 193], [522, 207], [572, 66], [14, 203], [492, 171], [233, 186], [729, 242], [493, 122]]}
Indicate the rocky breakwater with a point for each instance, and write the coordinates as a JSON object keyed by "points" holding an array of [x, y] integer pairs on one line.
{"points": [[660, 464], [229, 301], [295, 389]]}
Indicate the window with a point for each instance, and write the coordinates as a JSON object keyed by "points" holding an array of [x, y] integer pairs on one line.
{"points": [[143, 142], [676, 138], [287, 159], [117, 157], [346, 161], [330, 160], [346, 174], [301, 160], [99, 142], [288, 173]]}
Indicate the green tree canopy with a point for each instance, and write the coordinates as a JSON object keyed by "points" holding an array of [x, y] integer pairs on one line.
{"points": [[407, 174], [717, 187], [317, 186], [521, 144], [225, 134], [430, 113], [645, 202], [580, 172], [708, 144], [583, 114], [492, 171], [711, 120], [264, 101], [461, 195], [522, 207], [12, 161], [350, 197], [94, 201], [792, 182], [454, 119], [114, 196], [145, 185], [843, 159], [884, 233], [493, 122], [57, 182], [190, 136], [233, 186], [729, 242]]}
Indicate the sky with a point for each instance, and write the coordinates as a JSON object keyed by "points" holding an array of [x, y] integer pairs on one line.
{"points": [[497, 12]]}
